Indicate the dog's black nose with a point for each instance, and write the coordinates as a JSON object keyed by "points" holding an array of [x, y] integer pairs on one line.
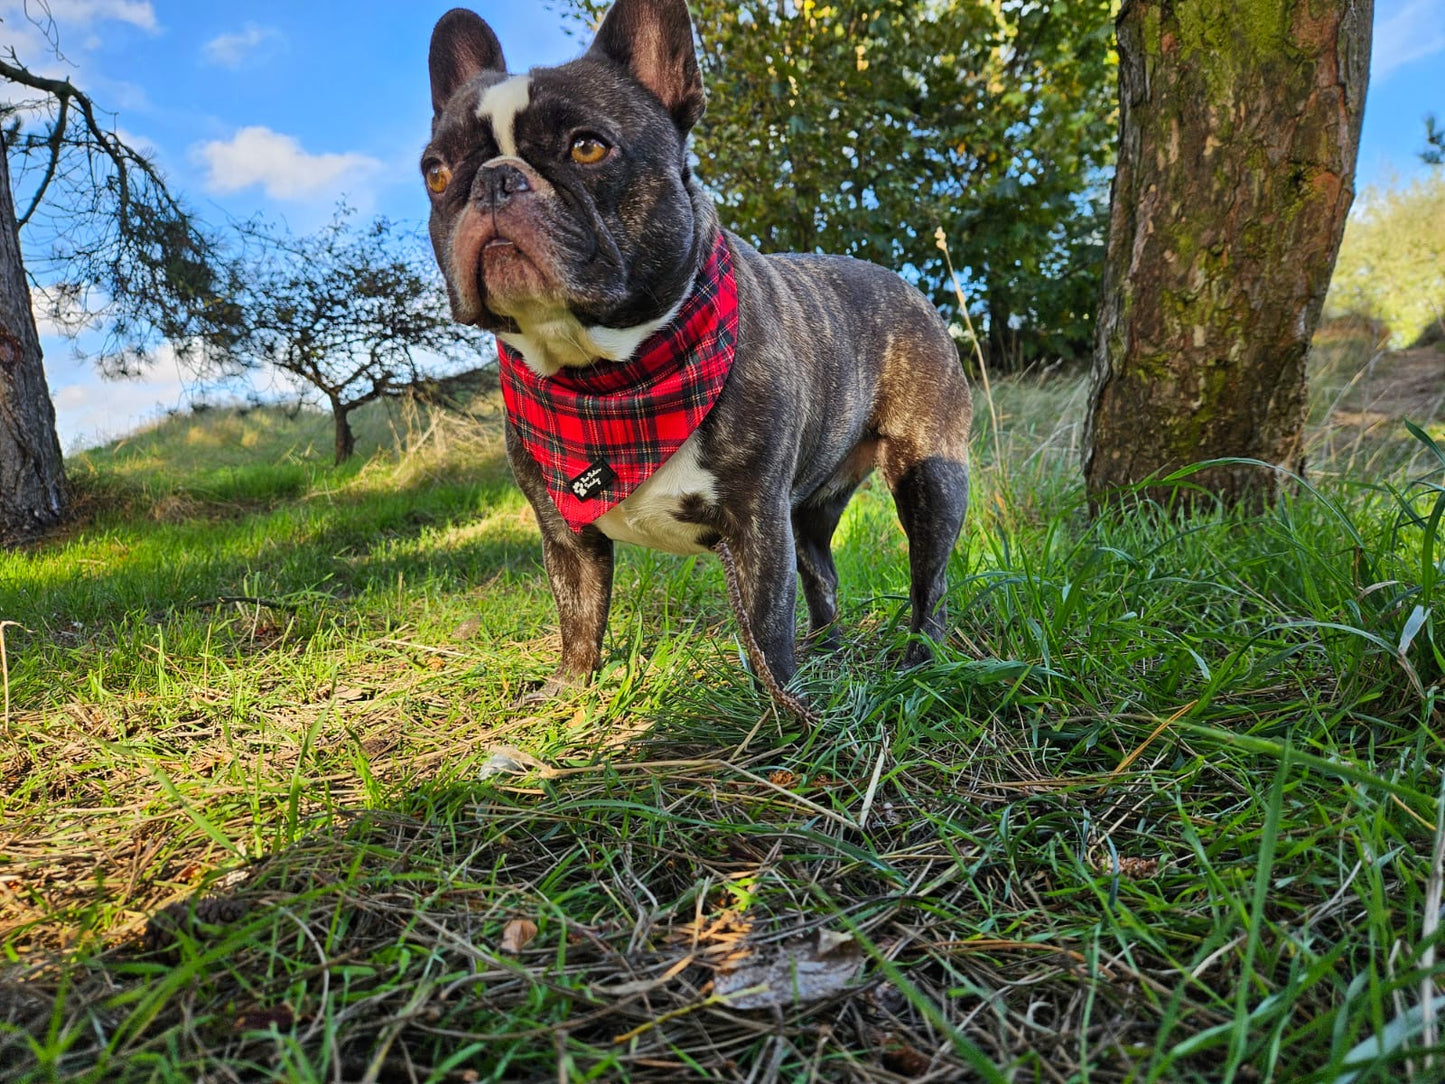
{"points": [[496, 185]]}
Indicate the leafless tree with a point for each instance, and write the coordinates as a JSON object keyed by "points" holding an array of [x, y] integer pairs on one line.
{"points": [[352, 313], [114, 251]]}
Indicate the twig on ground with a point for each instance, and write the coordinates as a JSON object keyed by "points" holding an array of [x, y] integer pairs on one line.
{"points": [[5, 668]]}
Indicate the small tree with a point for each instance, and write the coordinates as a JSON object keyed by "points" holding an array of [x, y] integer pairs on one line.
{"points": [[350, 314], [1391, 266], [1434, 152], [114, 251]]}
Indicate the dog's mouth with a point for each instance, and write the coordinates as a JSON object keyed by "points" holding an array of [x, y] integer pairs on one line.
{"points": [[509, 276]]}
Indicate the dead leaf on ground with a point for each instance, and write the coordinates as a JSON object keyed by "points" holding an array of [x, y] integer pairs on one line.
{"points": [[349, 696], [262, 1019], [903, 1058], [795, 973], [467, 629], [517, 935], [1132, 869], [505, 760]]}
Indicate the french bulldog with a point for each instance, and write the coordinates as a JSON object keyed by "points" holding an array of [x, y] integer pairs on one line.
{"points": [[567, 219]]}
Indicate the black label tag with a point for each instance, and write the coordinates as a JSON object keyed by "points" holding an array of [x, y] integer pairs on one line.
{"points": [[592, 481]]}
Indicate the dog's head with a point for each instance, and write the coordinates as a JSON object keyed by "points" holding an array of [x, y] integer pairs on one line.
{"points": [[563, 212]]}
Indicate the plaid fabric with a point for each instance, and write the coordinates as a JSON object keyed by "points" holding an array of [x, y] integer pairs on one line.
{"points": [[600, 432]]}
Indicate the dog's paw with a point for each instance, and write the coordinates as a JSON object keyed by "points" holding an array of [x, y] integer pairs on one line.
{"points": [[539, 694], [823, 641], [918, 653]]}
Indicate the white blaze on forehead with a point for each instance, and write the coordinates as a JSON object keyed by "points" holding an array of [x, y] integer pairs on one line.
{"points": [[500, 103]]}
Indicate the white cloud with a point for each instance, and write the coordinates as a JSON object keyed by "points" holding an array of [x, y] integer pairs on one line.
{"points": [[1410, 33], [259, 156], [233, 50], [54, 324], [84, 12], [90, 410], [70, 27]]}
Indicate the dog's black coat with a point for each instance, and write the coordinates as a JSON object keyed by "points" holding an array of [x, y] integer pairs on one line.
{"points": [[840, 365]]}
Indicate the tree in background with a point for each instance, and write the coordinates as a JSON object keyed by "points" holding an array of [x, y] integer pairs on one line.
{"points": [[1238, 135], [1391, 268], [861, 127], [350, 314], [1434, 152], [115, 251]]}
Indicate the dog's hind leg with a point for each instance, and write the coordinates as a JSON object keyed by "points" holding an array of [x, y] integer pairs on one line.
{"points": [[931, 494], [813, 527]]}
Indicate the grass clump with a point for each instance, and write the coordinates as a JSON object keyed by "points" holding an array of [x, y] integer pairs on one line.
{"points": [[1166, 806]]}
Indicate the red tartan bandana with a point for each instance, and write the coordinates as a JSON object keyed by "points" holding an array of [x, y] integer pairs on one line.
{"points": [[600, 432]]}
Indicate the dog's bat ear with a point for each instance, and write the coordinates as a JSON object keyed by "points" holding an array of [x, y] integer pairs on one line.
{"points": [[462, 46], [652, 39]]}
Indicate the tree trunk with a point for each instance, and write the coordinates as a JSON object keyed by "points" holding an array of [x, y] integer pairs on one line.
{"points": [[345, 438], [1238, 131], [33, 492]]}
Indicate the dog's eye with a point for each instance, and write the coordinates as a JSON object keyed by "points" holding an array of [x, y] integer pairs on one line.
{"points": [[588, 150], [438, 177]]}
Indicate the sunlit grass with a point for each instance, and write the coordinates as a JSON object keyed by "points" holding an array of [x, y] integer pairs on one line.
{"points": [[1164, 807]]}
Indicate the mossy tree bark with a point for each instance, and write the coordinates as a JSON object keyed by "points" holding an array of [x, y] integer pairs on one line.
{"points": [[32, 473], [1239, 128]]}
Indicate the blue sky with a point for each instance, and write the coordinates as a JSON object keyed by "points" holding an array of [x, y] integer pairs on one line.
{"points": [[283, 108]]}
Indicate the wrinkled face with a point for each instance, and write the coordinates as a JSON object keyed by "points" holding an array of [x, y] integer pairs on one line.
{"points": [[561, 190]]}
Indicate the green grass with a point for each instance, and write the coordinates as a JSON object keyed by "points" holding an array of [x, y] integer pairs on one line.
{"points": [[1166, 807]]}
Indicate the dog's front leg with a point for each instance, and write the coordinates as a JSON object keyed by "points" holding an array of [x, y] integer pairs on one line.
{"points": [[767, 579], [579, 568]]}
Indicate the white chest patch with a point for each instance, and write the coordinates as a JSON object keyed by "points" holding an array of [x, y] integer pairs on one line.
{"points": [[500, 103], [647, 517], [621, 343], [552, 337]]}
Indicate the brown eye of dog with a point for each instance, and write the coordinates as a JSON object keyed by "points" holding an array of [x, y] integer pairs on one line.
{"points": [[437, 178], [587, 151]]}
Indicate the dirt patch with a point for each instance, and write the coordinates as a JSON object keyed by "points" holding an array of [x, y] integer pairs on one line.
{"points": [[1409, 385]]}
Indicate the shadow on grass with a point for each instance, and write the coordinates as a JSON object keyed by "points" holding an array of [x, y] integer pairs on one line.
{"points": [[582, 924], [336, 544]]}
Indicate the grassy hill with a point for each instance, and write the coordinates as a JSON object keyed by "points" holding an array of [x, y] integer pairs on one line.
{"points": [[1167, 806]]}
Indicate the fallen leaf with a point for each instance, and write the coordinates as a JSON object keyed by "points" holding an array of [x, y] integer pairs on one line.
{"points": [[904, 1059], [797, 972], [505, 760], [467, 629], [517, 935], [262, 1019], [1133, 869]]}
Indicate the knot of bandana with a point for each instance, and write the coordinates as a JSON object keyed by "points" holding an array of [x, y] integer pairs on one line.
{"points": [[599, 432]]}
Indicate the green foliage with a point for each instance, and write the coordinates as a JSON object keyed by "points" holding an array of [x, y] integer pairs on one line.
{"points": [[1391, 266], [1434, 152], [860, 127]]}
